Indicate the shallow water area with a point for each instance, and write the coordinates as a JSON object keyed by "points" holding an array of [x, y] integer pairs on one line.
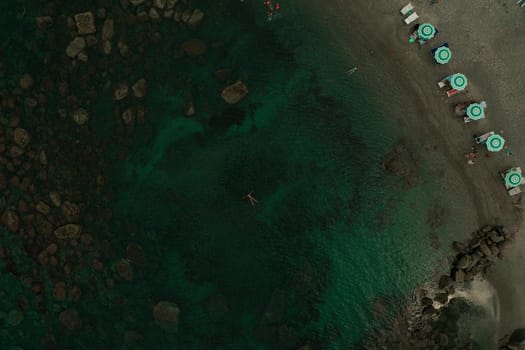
{"points": [[331, 249]]}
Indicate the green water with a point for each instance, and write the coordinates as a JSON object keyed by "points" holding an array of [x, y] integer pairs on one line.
{"points": [[330, 237]]}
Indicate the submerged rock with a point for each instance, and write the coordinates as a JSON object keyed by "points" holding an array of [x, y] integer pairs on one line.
{"points": [[121, 91], [216, 307], [135, 253], [400, 162], [68, 231], [234, 93], [128, 116], [55, 198], [124, 269], [195, 19], [11, 220], [15, 317], [108, 29], [189, 108], [85, 22], [70, 319], [26, 82], [159, 3], [43, 208], [44, 22], [154, 14], [75, 46], [194, 47], [80, 116], [140, 88], [21, 137], [166, 315]]}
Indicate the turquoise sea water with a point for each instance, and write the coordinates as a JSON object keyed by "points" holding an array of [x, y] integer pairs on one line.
{"points": [[331, 242]]}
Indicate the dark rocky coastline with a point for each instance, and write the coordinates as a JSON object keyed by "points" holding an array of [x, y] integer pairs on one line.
{"points": [[429, 321]]}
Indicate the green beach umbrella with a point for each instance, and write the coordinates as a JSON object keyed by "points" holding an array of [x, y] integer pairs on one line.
{"points": [[495, 143], [458, 81], [442, 55], [475, 111], [426, 31], [512, 178]]}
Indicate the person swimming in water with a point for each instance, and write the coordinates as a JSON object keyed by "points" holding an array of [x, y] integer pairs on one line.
{"points": [[352, 70], [251, 198], [271, 8]]}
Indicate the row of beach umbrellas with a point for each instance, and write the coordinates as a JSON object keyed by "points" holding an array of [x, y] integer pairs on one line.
{"points": [[475, 111], [427, 31]]}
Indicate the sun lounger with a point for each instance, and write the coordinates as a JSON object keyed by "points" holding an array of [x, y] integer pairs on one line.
{"points": [[405, 10], [483, 138], [451, 92], [514, 191], [411, 18]]}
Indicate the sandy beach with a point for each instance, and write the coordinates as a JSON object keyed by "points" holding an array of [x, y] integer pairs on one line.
{"points": [[486, 39]]}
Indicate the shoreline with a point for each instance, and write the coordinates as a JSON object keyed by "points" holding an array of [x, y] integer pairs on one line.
{"points": [[482, 53]]}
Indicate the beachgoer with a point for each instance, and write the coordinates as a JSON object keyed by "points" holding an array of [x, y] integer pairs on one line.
{"points": [[277, 6], [352, 70], [508, 152], [251, 198]]}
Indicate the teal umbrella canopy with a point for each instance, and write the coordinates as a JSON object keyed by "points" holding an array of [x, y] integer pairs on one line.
{"points": [[495, 143], [513, 178], [458, 81], [475, 111], [442, 55], [426, 31]]}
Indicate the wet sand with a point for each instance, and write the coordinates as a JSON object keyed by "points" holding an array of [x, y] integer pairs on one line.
{"points": [[486, 39]]}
